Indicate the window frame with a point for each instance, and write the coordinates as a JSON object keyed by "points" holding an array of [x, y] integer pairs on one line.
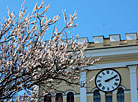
{"points": [[72, 97], [120, 95], [48, 96], [96, 96], [59, 98]]}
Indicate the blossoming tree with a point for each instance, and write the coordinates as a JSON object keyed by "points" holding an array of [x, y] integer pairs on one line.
{"points": [[26, 59]]}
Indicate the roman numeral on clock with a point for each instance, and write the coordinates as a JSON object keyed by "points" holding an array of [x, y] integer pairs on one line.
{"points": [[100, 76], [112, 87], [116, 79], [103, 73], [107, 72], [100, 85], [103, 87], [116, 84], [108, 88], [112, 73], [98, 80]]}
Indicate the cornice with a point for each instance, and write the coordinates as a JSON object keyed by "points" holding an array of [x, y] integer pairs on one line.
{"points": [[123, 64], [114, 53]]}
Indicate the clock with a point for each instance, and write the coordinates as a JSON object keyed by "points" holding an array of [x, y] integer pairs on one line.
{"points": [[107, 80]]}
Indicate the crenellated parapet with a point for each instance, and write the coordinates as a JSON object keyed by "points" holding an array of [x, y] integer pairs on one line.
{"points": [[112, 41]]}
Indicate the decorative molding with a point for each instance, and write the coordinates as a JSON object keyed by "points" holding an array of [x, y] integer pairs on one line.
{"points": [[76, 95], [101, 93], [59, 92], [83, 40], [94, 89], [127, 92], [123, 87], [131, 36], [111, 41], [98, 39], [111, 51], [70, 91], [90, 94], [115, 37], [111, 65]]}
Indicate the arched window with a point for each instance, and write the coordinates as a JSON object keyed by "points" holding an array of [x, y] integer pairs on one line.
{"points": [[59, 97], [70, 97], [108, 97], [47, 98], [120, 95], [96, 96]]}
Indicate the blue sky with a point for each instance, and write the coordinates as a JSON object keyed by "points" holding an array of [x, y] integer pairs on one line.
{"points": [[95, 17]]}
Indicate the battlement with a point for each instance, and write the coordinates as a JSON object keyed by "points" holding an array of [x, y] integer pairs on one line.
{"points": [[112, 41]]}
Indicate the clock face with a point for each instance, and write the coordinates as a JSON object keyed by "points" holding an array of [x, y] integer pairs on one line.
{"points": [[107, 80]]}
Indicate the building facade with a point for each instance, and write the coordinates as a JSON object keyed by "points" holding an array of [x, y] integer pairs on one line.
{"points": [[98, 83]]}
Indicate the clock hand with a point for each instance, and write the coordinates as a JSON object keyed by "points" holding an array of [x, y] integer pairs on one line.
{"points": [[111, 78]]}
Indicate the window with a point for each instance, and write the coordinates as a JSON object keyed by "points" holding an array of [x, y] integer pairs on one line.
{"points": [[59, 97], [108, 97], [120, 95], [96, 96], [70, 97], [47, 98]]}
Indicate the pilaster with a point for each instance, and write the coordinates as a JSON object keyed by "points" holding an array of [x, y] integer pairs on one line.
{"points": [[133, 82], [83, 91]]}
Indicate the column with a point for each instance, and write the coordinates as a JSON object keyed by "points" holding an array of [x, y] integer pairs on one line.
{"points": [[133, 82], [83, 91]]}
